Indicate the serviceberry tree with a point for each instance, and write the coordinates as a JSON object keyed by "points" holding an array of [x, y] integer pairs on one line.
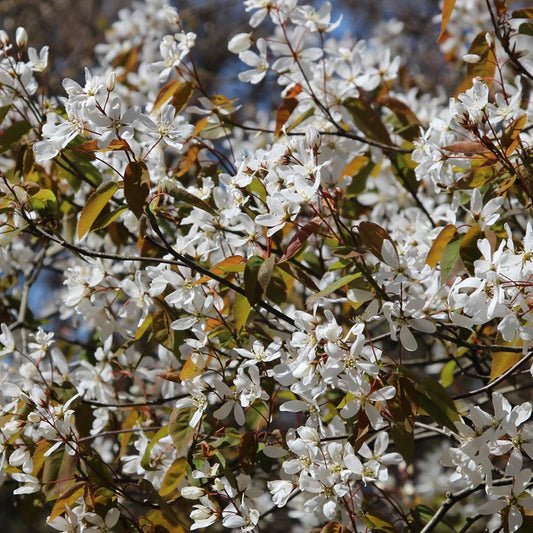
{"points": [[317, 318]]}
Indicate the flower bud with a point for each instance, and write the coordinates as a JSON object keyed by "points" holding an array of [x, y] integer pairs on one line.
{"points": [[171, 15], [34, 417], [471, 58], [240, 42], [312, 137], [21, 37], [111, 81], [4, 38], [490, 40], [192, 493]]}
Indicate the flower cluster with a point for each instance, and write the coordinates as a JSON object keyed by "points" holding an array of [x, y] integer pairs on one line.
{"points": [[212, 319]]}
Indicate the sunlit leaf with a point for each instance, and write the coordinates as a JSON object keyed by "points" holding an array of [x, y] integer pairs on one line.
{"points": [[264, 274], [68, 498], [439, 244], [179, 91], [447, 10], [446, 375], [233, 263], [335, 286], [510, 138], [501, 362], [114, 145], [334, 527], [484, 69], [95, 203], [173, 477], [378, 523], [241, 310]]}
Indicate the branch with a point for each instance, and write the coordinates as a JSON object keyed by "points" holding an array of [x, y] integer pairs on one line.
{"points": [[452, 499], [498, 380]]}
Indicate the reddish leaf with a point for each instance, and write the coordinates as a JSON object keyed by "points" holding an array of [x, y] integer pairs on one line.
{"points": [[136, 187], [300, 238], [447, 10], [286, 107], [372, 235], [247, 452], [465, 147]]}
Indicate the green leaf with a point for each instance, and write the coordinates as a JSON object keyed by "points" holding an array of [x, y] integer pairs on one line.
{"points": [[367, 119], [439, 244], [264, 274], [180, 431], [44, 202], [166, 510], [3, 112], [145, 460], [298, 273], [107, 216], [136, 187], [404, 409], [13, 134], [378, 523], [186, 197], [332, 287], [68, 498], [437, 403], [241, 310], [173, 477], [96, 202], [450, 260], [58, 473], [277, 289], [304, 116], [526, 28], [446, 375], [403, 119], [252, 287], [79, 165], [404, 169]]}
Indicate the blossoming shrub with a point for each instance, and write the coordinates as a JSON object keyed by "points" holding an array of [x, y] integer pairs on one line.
{"points": [[318, 319]]}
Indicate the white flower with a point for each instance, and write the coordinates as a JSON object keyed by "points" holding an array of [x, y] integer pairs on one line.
{"points": [[258, 62]]}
